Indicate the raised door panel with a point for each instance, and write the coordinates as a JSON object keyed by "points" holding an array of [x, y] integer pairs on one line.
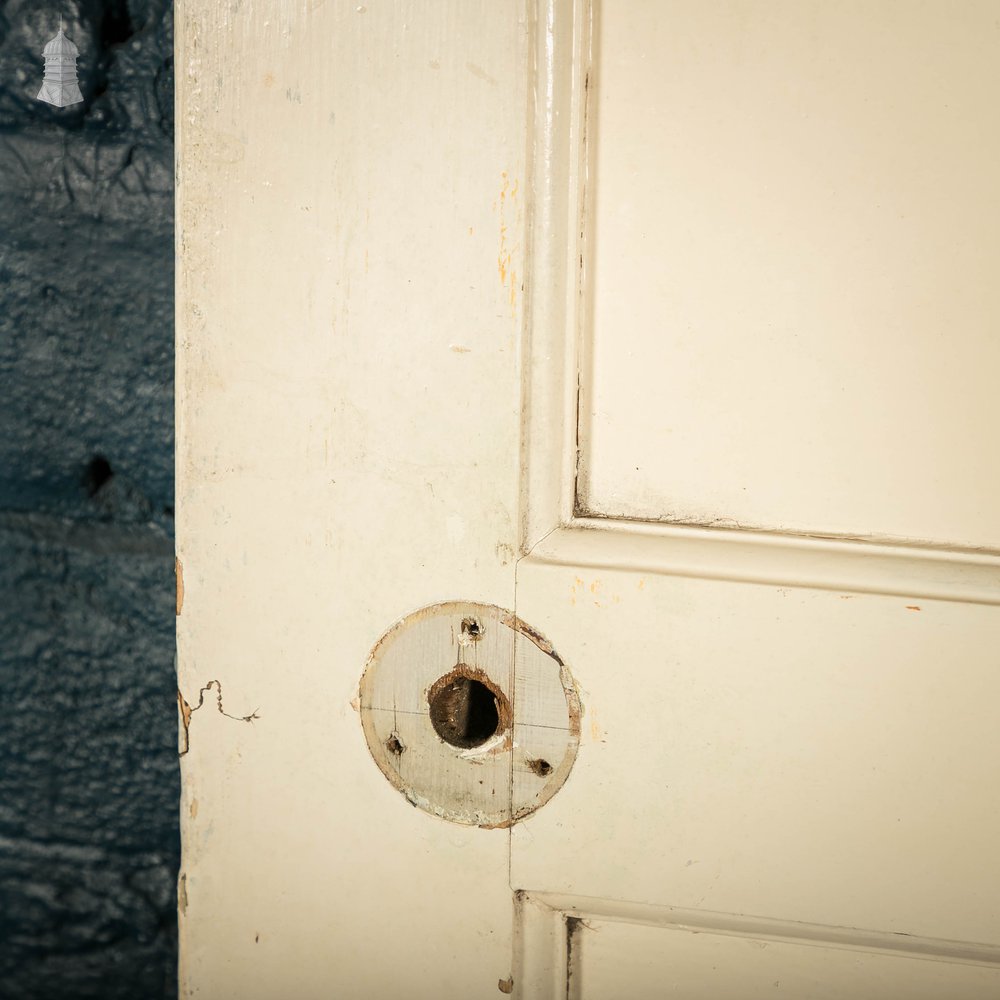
{"points": [[793, 223], [766, 225]]}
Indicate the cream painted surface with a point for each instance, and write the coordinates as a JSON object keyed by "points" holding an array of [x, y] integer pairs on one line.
{"points": [[785, 740], [782, 735], [619, 961], [350, 209], [796, 227], [581, 947], [809, 755]]}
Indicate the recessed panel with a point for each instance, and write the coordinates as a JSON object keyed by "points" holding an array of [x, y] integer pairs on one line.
{"points": [[811, 756], [793, 234], [620, 961]]}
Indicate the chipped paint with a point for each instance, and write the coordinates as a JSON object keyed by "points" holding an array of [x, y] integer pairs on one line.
{"points": [[187, 711], [506, 985], [179, 583], [535, 636]]}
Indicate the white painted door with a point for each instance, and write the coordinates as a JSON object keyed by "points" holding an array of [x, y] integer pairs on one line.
{"points": [[587, 499]]}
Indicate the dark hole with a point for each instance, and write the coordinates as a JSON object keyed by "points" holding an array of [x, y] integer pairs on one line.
{"points": [[394, 745], [97, 474], [116, 25], [472, 628], [464, 713], [540, 767]]}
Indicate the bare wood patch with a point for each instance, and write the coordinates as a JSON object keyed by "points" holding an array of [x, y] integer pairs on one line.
{"points": [[179, 576], [438, 688]]}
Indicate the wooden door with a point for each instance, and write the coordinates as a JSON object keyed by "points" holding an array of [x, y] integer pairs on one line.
{"points": [[587, 534]]}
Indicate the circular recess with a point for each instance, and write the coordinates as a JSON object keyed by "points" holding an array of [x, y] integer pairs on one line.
{"points": [[470, 713]]}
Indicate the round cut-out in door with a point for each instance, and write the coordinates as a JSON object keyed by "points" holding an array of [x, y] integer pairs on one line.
{"points": [[470, 713]]}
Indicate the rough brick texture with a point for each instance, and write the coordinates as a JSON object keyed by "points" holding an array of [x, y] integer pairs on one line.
{"points": [[88, 767]]}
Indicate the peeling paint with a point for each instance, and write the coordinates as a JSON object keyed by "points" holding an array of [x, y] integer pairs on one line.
{"points": [[533, 634], [506, 985], [187, 711]]}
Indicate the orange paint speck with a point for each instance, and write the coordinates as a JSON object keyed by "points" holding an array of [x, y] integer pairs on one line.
{"points": [[505, 254], [595, 729]]}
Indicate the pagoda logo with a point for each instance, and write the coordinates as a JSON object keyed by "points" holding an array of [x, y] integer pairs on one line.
{"points": [[60, 86]]}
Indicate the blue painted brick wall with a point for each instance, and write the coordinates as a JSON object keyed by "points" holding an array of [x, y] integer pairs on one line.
{"points": [[88, 766]]}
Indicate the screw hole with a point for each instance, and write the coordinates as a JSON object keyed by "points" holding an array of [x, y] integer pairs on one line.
{"points": [[540, 767], [394, 745], [472, 629]]}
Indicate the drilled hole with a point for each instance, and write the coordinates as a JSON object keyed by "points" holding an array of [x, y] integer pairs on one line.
{"points": [[394, 745], [464, 711]]}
